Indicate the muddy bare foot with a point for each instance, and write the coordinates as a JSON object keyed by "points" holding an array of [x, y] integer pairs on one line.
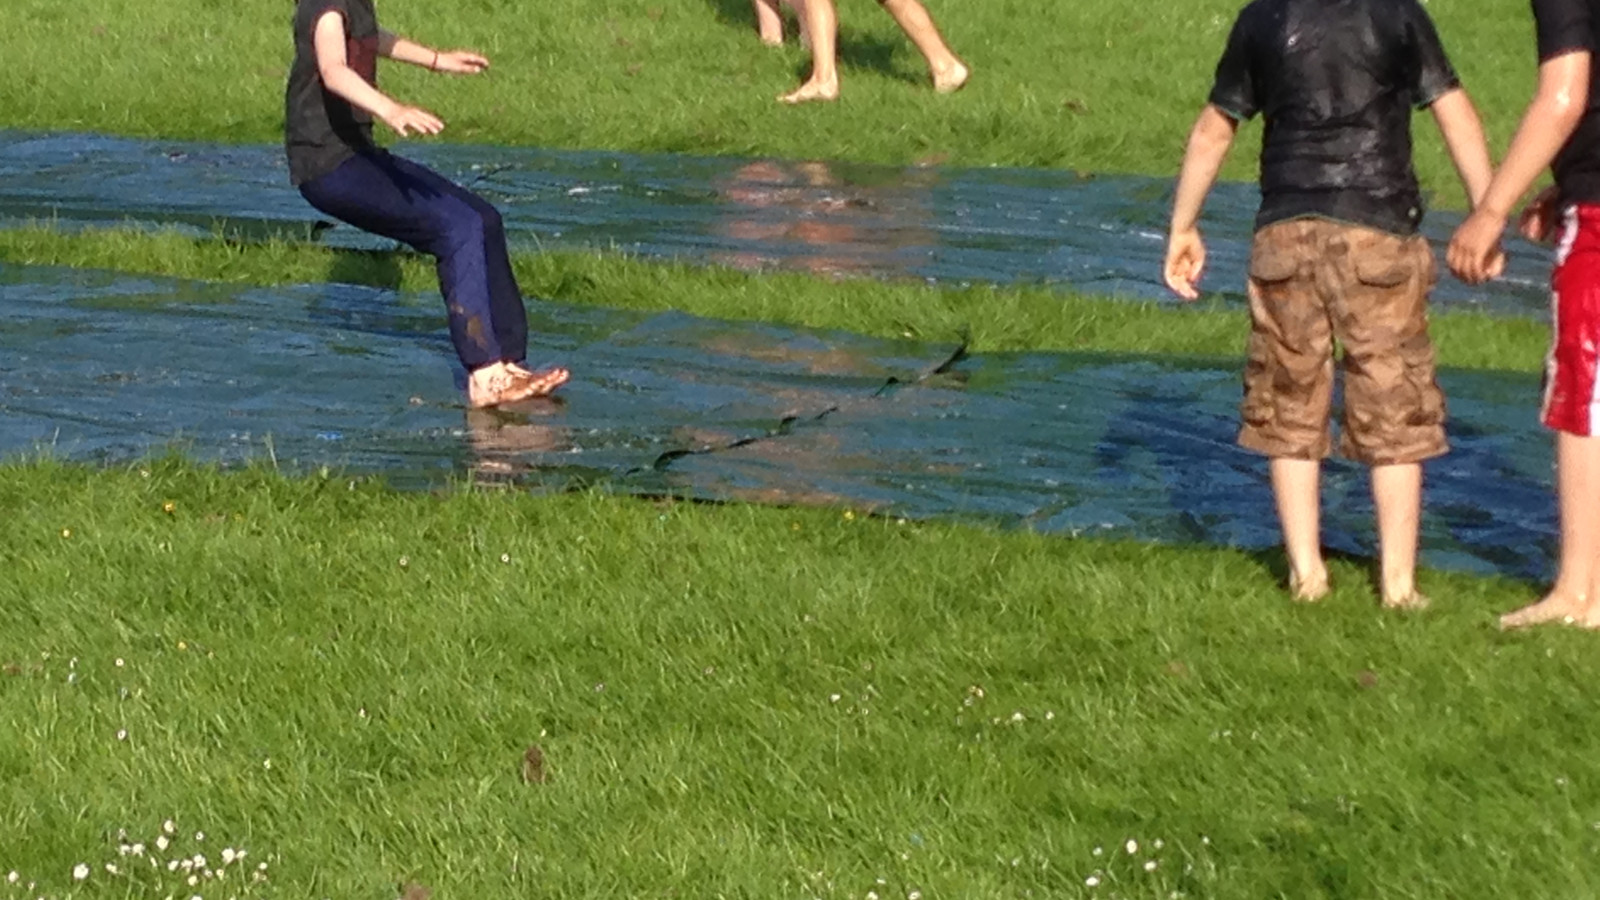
{"points": [[502, 382], [1554, 608], [544, 381], [811, 92], [951, 78]]}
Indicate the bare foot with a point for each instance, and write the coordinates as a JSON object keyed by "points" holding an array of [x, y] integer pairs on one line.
{"points": [[1412, 600], [502, 382], [951, 78], [810, 92], [1554, 608], [545, 381], [1309, 589]]}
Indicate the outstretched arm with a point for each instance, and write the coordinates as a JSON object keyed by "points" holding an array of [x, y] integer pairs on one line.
{"points": [[1209, 141], [462, 62], [333, 65], [1458, 122], [1557, 106]]}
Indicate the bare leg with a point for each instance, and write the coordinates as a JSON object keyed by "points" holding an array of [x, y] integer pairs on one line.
{"points": [[822, 25], [1296, 484], [799, 7], [769, 22], [949, 73], [1397, 495], [1578, 492]]}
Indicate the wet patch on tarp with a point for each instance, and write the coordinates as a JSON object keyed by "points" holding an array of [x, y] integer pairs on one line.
{"points": [[96, 366], [1099, 234]]}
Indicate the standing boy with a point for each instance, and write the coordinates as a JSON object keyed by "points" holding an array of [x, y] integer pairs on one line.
{"points": [[1561, 126], [1336, 254]]}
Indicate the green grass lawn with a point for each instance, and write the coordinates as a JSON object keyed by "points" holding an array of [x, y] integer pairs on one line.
{"points": [[1096, 86], [733, 701], [740, 701]]}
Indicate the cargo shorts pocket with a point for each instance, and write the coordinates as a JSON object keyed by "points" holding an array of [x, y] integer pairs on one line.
{"points": [[1271, 265], [1394, 261], [1385, 271]]}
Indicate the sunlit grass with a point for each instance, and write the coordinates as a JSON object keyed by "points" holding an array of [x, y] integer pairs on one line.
{"points": [[746, 701], [1103, 87]]}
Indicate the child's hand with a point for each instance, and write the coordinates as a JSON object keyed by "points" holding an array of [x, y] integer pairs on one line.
{"points": [[1186, 260], [1538, 220], [407, 120], [1475, 255], [460, 62]]}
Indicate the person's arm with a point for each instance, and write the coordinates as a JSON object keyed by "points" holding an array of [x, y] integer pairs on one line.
{"points": [[462, 62], [1209, 142], [1462, 130], [1557, 107], [328, 38]]}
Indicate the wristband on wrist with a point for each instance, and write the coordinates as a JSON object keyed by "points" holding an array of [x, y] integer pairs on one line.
{"points": [[435, 64]]}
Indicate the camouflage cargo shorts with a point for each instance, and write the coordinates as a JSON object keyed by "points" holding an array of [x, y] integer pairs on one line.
{"points": [[1315, 281]]}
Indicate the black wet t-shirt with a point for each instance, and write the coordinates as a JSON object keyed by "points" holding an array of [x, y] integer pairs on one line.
{"points": [[1335, 82], [322, 129], [1566, 26]]}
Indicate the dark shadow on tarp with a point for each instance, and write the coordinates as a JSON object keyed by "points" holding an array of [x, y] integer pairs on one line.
{"points": [[1098, 234], [98, 366]]}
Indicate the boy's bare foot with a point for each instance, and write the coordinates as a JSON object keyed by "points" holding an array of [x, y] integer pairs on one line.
{"points": [[544, 381], [502, 382], [1554, 608], [812, 91], [1309, 588], [1412, 600], [951, 78]]}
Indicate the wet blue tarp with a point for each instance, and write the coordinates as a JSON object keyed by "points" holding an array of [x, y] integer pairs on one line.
{"points": [[1101, 234], [105, 367]]}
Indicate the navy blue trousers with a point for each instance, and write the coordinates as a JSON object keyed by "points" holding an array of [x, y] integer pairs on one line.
{"points": [[394, 197]]}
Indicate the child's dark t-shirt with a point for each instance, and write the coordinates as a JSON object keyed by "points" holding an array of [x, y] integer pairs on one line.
{"points": [[322, 129], [1566, 26], [1335, 83]]}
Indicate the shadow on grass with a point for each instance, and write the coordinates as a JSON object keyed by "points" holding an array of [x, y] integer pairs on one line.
{"points": [[375, 268], [870, 52], [1275, 565], [735, 13]]}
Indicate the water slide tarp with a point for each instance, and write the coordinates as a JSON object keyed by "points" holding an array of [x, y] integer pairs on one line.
{"points": [[100, 366], [1101, 234]]}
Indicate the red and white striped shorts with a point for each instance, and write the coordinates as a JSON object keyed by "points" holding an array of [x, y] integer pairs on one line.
{"points": [[1572, 370]]}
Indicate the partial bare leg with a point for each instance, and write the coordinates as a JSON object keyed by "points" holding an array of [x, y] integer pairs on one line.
{"points": [[1572, 598], [822, 26], [799, 7], [1397, 496], [1296, 486], [949, 72], [769, 22]]}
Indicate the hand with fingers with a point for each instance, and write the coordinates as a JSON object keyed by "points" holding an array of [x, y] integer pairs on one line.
{"points": [[1538, 220], [408, 120], [1186, 262], [1475, 255], [460, 62]]}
